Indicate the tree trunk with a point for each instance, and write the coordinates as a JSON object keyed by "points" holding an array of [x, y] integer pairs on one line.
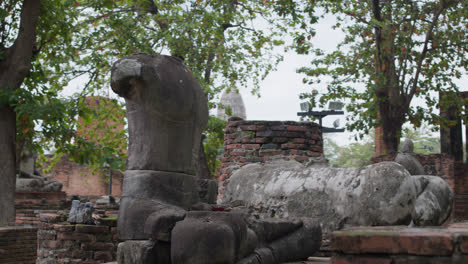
{"points": [[392, 117], [14, 66], [7, 165]]}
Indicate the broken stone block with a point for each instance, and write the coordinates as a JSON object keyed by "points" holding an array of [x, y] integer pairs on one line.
{"points": [[81, 213]]}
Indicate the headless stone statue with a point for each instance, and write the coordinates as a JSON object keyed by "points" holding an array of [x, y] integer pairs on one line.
{"points": [[30, 180], [167, 112]]}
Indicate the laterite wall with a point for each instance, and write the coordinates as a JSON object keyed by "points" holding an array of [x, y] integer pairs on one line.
{"points": [[248, 142], [18, 245]]}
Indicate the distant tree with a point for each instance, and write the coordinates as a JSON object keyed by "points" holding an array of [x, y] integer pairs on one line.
{"points": [[393, 51], [360, 153], [355, 154], [425, 142], [214, 143]]}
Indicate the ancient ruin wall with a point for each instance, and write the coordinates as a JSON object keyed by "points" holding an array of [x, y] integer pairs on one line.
{"points": [[248, 142], [69, 243], [18, 245], [29, 205]]}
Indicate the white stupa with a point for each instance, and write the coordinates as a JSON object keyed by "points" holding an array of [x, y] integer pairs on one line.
{"points": [[233, 99]]}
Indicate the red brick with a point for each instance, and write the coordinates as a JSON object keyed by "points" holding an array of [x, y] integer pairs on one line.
{"points": [[247, 140], [46, 234], [301, 158], [81, 254], [51, 244], [248, 127], [233, 146], [50, 218], [91, 229], [64, 228], [102, 246], [315, 137], [313, 153], [290, 134], [251, 146], [296, 128], [259, 140], [400, 241], [300, 140], [103, 255], [359, 260], [270, 153], [75, 236], [238, 153], [296, 152]]}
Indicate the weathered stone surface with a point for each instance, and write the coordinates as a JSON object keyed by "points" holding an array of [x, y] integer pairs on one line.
{"points": [[434, 202], [166, 112], [219, 236], [81, 213], [230, 237], [407, 159], [208, 190], [146, 192], [37, 185], [407, 146], [137, 252], [29, 180], [379, 194], [411, 164]]}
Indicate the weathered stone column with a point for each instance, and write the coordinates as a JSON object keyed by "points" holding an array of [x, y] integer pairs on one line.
{"points": [[7, 165]]}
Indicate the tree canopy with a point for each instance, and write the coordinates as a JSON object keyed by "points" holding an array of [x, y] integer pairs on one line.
{"points": [[393, 51], [226, 44]]}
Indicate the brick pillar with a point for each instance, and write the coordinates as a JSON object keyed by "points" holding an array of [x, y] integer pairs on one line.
{"points": [[451, 141]]}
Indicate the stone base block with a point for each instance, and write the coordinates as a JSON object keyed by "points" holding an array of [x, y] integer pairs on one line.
{"points": [[143, 252]]}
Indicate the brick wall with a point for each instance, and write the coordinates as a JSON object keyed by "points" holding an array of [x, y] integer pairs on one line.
{"points": [[248, 142], [79, 179], [461, 191], [18, 245], [60, 242], [29, 205]]}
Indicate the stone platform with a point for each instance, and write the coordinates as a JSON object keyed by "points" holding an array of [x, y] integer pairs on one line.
{"points": [[401, 245]]}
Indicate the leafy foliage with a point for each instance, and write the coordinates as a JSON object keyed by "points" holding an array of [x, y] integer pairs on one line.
{"points": [[356, 154], [393, 51], [221, 42], [425, 142], [359, 153], [214, 143]]}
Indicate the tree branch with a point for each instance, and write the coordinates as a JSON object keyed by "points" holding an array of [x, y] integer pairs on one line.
{"points": [[17, 61], [423, 54], [405, 60]]}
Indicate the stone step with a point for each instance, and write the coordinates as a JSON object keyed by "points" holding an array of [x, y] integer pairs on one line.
{"points": [[396, 244]]}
